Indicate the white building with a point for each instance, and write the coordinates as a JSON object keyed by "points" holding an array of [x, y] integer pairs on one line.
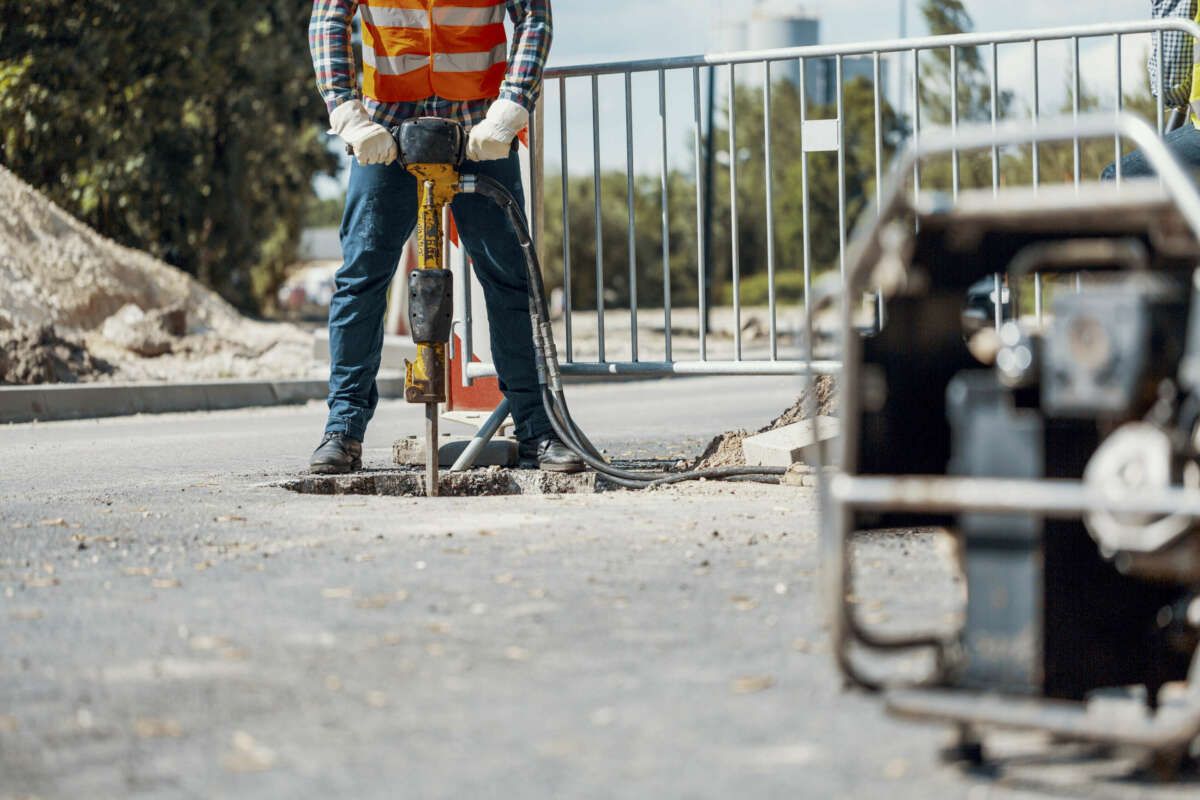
{"points": [[774, 25]]}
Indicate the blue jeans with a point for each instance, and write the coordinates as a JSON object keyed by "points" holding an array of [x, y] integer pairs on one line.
{"points": [[1184, 144], [381, 213]]}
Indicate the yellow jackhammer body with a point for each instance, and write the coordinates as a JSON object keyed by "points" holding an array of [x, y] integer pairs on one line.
{"points": [[432, 150]]}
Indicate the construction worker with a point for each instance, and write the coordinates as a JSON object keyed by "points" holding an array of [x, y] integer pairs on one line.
{"points": [[1178, 62], [448, 59]]}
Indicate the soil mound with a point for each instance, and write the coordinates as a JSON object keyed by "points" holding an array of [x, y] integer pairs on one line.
{"points": [[40, 355], [56, 271], [725, 450]]}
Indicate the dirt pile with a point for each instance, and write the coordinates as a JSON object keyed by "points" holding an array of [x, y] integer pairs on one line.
{"points": [[40, 355], [125, 305], [725, 450]]}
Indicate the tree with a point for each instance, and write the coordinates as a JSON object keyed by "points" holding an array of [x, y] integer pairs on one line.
{"points": [[787, 152], [189, 130]]}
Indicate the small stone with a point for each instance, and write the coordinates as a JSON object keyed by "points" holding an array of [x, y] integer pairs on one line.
{"points": [[752, 683]]}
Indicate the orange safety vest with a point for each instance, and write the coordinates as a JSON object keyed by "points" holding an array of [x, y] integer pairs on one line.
{"points": [[413, 49]]}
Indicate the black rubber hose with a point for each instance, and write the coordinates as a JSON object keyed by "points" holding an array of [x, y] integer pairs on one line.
{"points": [[552, 396]]}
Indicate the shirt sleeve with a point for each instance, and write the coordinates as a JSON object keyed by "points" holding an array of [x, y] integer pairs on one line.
{"points": [[1176, 56], [329, 41], [532, 32]]}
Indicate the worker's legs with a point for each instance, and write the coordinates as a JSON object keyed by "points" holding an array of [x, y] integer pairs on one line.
{"points": [[1184, 144], [381, 212], [500, 266]]}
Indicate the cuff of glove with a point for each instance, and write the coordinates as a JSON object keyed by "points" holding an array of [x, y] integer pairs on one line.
{"points": [[509, 118], [351, 112]]}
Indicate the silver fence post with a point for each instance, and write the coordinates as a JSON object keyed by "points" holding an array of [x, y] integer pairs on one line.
{"points": [[599, 219], [464, 265], [735, 256], [1037, 172], [633, 333], [875, 72], [770, 186], [566, 216], [954, 119], [1119, 104], [841, 172], [1158, 105], [916, 133], [1077, 86], [700, 253], [995, 103], [666, 213], [1037, 276], [804, 224]]}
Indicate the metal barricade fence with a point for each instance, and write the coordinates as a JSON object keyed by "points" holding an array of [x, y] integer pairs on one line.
{"points": [[816, 135]]}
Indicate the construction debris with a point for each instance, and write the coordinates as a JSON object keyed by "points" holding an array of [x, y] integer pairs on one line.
{"points": [[56, 271], [40, 355], [725, 450], [786, 445]]}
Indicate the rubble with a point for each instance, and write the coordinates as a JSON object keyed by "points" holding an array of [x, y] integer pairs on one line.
{"points": [[725, 450], [123, 305], [30, 355]]}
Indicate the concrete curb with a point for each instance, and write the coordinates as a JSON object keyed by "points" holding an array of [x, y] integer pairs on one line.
{"points": [[86, 401]]}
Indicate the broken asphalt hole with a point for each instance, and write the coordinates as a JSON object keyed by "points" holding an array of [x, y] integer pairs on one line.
{"points": [[472, 483]]}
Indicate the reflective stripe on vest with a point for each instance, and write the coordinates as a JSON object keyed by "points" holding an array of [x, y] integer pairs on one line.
{"points": [[459, 54]]}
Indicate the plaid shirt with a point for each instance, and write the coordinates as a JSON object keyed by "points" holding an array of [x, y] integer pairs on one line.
{"points": [[1176, 55], [329, 39]]}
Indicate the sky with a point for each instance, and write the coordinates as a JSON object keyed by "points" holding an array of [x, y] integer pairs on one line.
{"points": [[616, 30]]}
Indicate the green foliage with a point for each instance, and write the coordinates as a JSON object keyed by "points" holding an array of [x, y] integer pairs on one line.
{"points": [[324, 212], [1015, 167], [787, 155], [189, 130]]}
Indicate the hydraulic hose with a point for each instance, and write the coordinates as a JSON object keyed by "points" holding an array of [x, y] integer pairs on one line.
{"points": [[550, 377]]}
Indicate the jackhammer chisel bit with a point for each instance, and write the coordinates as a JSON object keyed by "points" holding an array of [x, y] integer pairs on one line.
{"points": [[432, 150]]}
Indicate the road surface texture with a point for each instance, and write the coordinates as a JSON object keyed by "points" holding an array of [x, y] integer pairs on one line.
{"points": [[171, 627]]}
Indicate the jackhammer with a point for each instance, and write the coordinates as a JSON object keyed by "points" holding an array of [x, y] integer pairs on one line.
{"points": [[432, 149]]}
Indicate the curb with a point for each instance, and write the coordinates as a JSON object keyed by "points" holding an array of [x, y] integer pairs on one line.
{"points": [[86, 401]]}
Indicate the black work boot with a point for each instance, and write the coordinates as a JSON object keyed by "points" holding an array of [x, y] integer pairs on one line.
{"points": [[549, 453], [337, 454]]}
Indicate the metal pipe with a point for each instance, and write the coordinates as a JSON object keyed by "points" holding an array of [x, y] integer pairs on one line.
{"points": [[1119, 104], [1036, 150], [1158, 96], [954, 119], [666, 213], [599, 219], [916, 116], [566, 218], [1048, 496], [841, 168], [700, 253], [998, 301], [1077, 82], [664, 369], [633, 332], [770, 187], [875, 72], [735, 256], [464, 266], [467, 458], [995, 103], [806, 235], [962, 40]]}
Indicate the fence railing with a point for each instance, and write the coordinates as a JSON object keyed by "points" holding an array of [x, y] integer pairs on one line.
{"points": [[817, 135]]}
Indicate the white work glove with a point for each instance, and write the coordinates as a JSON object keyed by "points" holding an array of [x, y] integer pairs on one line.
{"points": [[372, 143], [492, 139]]}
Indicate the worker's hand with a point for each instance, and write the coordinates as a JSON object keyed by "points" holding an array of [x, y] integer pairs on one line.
{"points": [[492, 139], [372, 143]]}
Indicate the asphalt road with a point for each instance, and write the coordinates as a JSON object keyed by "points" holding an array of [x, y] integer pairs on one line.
{"points": [[171, 627]]}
